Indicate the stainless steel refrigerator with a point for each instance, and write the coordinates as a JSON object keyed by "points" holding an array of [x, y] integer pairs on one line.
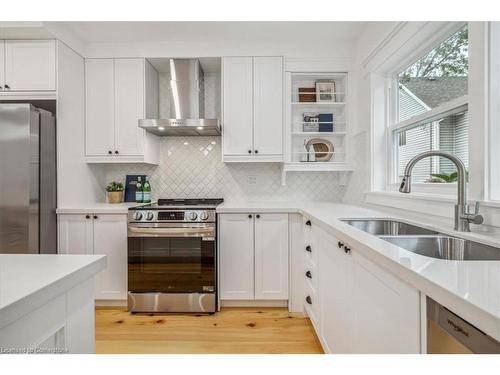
{"points": [[28, 222]]}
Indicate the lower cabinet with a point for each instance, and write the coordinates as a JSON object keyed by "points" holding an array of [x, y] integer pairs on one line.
{"points": [[99, 234], [253, 250], [358, 307]]}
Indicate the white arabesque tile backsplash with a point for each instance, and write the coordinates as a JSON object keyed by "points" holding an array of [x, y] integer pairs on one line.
{"points": [[192, 167]]}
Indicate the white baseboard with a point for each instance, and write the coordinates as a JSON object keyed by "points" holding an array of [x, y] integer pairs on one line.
{"points": [[111, 303], [254, 303]]}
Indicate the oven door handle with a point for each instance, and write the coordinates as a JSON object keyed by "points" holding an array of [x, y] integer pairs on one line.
{"points": [[205, 232]]}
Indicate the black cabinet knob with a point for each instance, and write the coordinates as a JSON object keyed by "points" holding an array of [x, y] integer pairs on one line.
{"points": [[249, 151], [116, 152], [110, 152], [257, 216], [309, 300], [309, 249], [249, 216], [96, 217], [256, 151], [340, 245], [7, 87], [347, 249], [309, 275], [87, 217], [1, 87], [308, 222]]}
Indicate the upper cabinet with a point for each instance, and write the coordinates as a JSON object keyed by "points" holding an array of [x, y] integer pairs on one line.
{"points": [[252, 128], [118, 93], [27, 65]]}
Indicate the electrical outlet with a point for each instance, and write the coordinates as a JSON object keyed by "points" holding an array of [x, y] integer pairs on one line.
{"points": [[252, 180]]}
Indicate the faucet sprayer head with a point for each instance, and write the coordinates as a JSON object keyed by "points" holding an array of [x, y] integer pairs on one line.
{"points": [[405, 186]]}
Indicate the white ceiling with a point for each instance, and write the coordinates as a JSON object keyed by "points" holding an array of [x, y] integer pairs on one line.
{"points": [[123, 32]]}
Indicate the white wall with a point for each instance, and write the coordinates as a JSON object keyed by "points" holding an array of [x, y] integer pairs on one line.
{"points": [[78, 182]]}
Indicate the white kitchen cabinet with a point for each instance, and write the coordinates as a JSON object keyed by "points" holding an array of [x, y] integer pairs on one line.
{"points": [[386, 311], [271, 256], [268, 106], [2, 65], [118, 93], [110, 239], [238, 106], [253, 252], [362, 307], [28, 65], [335, 268], [76, 234], [99, 234], [99, 107], [252, 109], [236, 249]]}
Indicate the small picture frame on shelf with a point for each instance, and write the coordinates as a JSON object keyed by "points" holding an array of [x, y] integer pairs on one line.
{"points": [[310, 122], [325, 91]]}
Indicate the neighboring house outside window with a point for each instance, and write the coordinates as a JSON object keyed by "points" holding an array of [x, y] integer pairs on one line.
{"points": [[424, 88]]}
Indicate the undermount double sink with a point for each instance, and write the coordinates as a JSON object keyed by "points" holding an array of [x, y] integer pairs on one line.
{"points": [[424, 241]]}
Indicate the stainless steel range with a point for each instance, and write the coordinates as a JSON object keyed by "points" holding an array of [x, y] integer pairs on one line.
{"points": [[172, 256]]}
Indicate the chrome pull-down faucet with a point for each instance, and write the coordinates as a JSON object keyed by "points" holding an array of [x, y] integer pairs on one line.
{"points": [[463, 217]]}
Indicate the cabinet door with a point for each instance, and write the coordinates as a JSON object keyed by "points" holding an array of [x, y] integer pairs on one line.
{"points": [[30, 65], [236, 251], [2, 64], [110, 239], [271, 256], [99, 107], [335, 267], [386, 311], [237, 106], [129, 106], [75, 234], [268, 106]]}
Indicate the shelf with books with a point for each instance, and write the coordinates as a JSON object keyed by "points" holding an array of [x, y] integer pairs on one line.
{"points": [[316, 114]]}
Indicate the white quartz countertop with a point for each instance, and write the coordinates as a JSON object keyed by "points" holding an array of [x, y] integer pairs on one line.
{"points": [[29, 280], [98, 208], [469, 288]]}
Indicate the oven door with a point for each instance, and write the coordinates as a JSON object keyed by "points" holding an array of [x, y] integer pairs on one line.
{"points": [[171, 258]]}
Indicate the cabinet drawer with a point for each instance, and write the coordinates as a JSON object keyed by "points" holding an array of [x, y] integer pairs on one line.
{"points": [[311, 277], [312, 307]]}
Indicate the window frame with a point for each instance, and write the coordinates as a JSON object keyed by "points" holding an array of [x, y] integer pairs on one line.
{"points": [[393, 123]]}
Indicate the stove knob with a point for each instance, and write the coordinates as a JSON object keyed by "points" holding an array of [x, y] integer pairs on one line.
{"points": [[138, 215], [203, 215], [192, 215], [150, 216]]}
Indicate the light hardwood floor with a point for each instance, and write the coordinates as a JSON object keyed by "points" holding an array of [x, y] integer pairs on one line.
{"points": [[231, 331]]}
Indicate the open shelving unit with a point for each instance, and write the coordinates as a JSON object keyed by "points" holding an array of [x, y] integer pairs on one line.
{"points": [[296, 134]]}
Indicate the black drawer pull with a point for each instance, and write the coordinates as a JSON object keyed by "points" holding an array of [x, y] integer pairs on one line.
{"points": [[308, 249], [96, 217], [347, 249], [87, 216], [308, 222], [309, 275], [340, 245], [309, 300], [249, 216], [257, 216]]}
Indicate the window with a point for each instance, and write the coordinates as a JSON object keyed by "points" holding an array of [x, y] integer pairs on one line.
{"points": [[432, 111]]}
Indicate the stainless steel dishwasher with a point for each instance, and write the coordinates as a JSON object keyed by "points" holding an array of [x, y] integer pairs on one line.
{"points": [[447, 333]]}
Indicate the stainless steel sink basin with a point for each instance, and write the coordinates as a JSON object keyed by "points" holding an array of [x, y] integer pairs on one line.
{"points": [[445, 247], [383, 227]]}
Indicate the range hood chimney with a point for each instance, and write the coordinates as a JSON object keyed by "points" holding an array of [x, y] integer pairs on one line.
{"points": [[187, 103]]}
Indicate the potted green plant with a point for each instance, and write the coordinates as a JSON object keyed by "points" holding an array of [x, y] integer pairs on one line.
{"points": [[114, 192]]}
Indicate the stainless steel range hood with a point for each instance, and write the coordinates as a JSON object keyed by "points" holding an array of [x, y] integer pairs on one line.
{"points": [[187, 104]]}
